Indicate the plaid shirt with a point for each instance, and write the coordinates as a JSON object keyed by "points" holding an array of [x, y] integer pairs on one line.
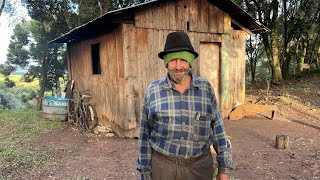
{"points": [[181, 125]]}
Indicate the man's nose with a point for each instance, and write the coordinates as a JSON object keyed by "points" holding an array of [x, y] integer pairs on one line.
{"points": [[179, 64]]}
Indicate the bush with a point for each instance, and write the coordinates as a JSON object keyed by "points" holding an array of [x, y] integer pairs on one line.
{"points": [[9, 83], [17, 98]]}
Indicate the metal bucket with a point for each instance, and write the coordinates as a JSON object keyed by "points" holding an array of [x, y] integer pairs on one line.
{"points": [[55, 108]]}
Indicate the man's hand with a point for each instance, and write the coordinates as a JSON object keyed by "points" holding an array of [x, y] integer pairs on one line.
{"points": [[222, 176]]}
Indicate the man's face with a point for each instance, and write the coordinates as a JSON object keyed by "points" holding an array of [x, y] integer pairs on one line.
{"points": [[178, 70]]}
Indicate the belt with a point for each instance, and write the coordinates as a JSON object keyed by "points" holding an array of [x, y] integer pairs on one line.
{"points": [[179, 161]]}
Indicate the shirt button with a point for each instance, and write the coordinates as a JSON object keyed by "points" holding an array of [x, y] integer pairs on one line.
{"points": [[182, 138], [183, 123]]}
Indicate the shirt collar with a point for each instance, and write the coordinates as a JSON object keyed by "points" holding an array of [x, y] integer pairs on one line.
{"points": [[166, 83]]}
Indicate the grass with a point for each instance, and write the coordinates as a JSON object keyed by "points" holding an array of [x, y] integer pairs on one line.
{"points": [[16, 130]]}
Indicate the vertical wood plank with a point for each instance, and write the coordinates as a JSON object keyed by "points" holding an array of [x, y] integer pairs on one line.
{"points": [[212, 19], [171, 11], [220, 23], [226, 23], [225, 76], [193, 14], [179, 18]]}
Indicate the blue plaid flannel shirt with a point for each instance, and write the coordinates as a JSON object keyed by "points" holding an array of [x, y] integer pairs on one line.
{"points": [[181, 125]]}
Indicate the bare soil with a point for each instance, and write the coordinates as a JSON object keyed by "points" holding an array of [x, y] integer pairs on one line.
{"points": [[88, 156]]}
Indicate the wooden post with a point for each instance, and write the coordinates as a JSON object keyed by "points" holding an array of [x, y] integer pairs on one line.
{"points": [[282, 141], [273, 115]]}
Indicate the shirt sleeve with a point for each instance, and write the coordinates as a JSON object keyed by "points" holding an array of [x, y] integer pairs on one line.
{"points": [[144, 148], [220, 142]]}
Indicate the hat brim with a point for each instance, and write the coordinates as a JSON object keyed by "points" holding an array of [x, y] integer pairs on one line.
{"points": [[163, 53]]}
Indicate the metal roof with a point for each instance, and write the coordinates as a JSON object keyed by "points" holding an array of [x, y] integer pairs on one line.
{"points": [[240, 16], [112, 19]]}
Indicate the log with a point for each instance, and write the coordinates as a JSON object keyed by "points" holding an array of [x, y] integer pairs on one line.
{"points": [[252, 109], [282, 141]]}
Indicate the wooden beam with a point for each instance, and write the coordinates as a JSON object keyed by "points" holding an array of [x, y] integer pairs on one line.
{"points": [[241, 26]]}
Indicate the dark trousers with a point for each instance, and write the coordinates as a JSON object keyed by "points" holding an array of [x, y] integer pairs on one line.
{"points": [[168, 168]]}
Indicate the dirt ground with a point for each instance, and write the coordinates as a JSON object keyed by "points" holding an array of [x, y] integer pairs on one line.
{"points": [[253, 140]]}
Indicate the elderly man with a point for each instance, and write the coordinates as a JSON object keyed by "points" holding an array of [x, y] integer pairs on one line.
{"points": [[180, 119]]}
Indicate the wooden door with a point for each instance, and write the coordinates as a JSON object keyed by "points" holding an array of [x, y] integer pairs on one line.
{"points": [[210, 65]]}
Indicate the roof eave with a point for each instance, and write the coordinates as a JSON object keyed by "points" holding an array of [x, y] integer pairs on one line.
{"points": [[242, 19]]}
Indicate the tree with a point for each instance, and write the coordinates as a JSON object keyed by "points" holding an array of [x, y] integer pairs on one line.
{"points": [[29, 47], [294, 36], [51, 18], [253, 53]]}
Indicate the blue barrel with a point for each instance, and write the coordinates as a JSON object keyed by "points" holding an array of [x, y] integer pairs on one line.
{"points": [[55, 108]]}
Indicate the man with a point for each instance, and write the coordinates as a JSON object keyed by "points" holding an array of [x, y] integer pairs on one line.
{"points": [[180, 119]]}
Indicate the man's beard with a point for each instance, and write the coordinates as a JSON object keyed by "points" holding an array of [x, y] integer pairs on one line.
{"points": [[178, 78]]}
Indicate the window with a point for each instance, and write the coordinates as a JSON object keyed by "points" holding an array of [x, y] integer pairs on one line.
{"points": [[95, 58]]}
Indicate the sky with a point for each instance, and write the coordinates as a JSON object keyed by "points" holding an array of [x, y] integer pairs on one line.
{"points": [[6, 28], [5, 33]]}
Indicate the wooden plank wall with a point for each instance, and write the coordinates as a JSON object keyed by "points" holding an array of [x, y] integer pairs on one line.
{"points": [[108, 88], [237, 68], [199, 15], [141, 48]]}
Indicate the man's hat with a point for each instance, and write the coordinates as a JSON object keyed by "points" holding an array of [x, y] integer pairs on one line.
{"points": [[176, 42]]}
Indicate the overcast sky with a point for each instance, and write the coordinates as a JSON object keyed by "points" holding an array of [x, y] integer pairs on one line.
{"points": [[6, 29], [5, 33]]}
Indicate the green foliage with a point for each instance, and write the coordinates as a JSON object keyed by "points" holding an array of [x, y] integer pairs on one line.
{"points": [[118, 4], [9, 83], [296, 29], [6, 69], [17, 98], [22, 96], [17, 128], [17, 50]]}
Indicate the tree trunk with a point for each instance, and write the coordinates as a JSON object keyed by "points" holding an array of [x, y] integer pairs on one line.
{"points": [[275, 64], [287, 38], [58, 88], [318, 58], [2, 6], [274, 61], [253, 72], [66, 14], [43, 81], [297, 55], [286, 62], [252, 54], [302, 57]]}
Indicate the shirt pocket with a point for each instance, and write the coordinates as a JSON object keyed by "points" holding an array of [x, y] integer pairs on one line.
{"points": [[201, 127]]}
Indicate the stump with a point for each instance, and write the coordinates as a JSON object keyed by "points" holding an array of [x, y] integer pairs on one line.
{"points": [[282, 141]]}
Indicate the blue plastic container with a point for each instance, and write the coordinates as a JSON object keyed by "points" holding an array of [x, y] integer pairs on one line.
{"points": [[55, 108]]}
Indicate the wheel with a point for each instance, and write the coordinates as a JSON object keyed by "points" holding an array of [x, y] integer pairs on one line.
{"points": [[73, 106], [80, 121], [72, 110], [90, 118]]}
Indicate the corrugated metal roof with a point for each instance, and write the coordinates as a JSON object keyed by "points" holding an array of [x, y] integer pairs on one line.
{"points": [[112, 19]]}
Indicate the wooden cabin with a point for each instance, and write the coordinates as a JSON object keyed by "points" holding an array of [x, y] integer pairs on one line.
{"points": [[115, 55]]}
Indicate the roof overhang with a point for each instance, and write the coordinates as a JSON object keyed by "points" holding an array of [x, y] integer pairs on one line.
{"points": [[112, 19], [239, 17]]}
